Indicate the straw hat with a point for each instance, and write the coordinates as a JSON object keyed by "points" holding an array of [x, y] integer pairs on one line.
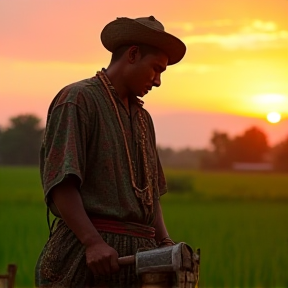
{"points": [[145, 30]]}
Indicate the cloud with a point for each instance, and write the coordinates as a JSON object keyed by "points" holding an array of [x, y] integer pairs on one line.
{"points": [[184, 26], [256, 35], [259, 25], [195, 68], [190, 26]]}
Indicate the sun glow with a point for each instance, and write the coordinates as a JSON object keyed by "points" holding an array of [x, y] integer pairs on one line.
{"points": [[271, 105], [270, 99], [273, 117]]}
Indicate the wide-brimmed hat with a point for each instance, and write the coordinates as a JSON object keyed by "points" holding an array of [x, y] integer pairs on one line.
{"points": [[145, 30]]}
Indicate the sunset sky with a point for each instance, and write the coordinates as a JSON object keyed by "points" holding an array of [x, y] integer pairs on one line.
{"points": [[235, 70]]}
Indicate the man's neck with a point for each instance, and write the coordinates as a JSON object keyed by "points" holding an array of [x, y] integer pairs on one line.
{"points": [[116, 80]]}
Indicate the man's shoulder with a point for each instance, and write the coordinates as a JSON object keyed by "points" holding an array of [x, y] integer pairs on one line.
{"points": [[83, 86], [77, 92], [88, 82]]}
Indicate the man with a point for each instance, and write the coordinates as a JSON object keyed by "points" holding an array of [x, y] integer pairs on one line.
{"points": [[99, 166]]}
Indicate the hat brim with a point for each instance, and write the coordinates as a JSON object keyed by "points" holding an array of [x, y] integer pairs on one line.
{"points": [[126, 31]]}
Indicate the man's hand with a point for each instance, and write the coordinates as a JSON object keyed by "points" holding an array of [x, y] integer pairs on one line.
{"points": [[166, 241], [162, 238], [101, 258]]}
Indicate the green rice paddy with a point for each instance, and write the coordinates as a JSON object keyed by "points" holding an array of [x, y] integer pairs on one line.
{"points": [[238, 220]]}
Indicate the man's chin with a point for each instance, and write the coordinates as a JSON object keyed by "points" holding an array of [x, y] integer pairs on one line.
{"points": [[143, 93], [139, 95], [134, 98]]}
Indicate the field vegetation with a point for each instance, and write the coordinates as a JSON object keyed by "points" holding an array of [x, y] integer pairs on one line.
{"points": [[238, 220]]}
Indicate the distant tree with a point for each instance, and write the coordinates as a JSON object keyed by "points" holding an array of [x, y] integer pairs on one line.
{"points": [[187, 158], [280, 156], [20, 141], [249, 147], [184, 159], [1, 133], [208, 160], [166, 155], [221, 144]]}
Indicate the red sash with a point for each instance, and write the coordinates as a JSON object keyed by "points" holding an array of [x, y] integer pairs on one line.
{"points": [[128, 228]]}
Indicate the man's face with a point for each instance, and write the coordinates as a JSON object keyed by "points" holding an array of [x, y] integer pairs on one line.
{"points": [[146, 72]]}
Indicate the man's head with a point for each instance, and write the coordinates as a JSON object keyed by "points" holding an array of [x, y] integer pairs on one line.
{"points": [[141, 50], [142, 31], [139, 67], [144, 50]]}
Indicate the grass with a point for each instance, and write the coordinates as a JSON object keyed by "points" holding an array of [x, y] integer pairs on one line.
{"points": [[243, 244], [239, 221], [24, 231], [234, 185]]}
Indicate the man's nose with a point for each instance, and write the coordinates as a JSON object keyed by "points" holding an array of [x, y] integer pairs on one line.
{"points": [[157, 80]]}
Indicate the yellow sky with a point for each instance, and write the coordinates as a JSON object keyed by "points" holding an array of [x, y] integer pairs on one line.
{"points": [[236, 61]]}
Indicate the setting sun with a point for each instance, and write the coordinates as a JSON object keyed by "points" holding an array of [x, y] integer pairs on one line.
{"points": [[234, 68], [273, 117], [271, 105]]}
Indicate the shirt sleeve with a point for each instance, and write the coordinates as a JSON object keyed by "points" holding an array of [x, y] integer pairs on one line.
{"points": [[63, 151]]}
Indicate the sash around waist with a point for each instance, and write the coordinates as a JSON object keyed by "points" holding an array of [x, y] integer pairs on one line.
{"points": [[128, 228]]}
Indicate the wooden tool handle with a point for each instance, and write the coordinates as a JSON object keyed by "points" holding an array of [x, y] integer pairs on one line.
{"points": [[126, 260]]}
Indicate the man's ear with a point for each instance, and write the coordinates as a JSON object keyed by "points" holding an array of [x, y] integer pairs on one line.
{"points": [[133, 53]]}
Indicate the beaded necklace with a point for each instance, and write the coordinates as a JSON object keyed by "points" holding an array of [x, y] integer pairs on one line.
{"points": [[145, 194]]}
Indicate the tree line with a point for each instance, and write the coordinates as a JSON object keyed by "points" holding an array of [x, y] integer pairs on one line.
{"points": [[249, 147], [20, 143]]}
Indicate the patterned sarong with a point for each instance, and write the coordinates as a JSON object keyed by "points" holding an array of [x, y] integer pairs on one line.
{"points": [[62, 262]]}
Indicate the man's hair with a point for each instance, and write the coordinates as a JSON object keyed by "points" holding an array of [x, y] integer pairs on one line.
{"points": [[144, 50]]}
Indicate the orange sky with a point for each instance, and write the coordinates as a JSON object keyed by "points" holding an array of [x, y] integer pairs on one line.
{"points": [[236, 61]]}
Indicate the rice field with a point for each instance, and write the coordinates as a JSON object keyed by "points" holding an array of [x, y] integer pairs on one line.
{"points": [[239, 221]]}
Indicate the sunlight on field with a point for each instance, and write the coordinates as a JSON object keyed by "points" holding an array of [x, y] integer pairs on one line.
{"points": [[239, 221], [231, 185]]}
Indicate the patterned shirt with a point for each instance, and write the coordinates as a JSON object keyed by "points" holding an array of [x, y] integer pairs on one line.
{"points": [[83, 137]]}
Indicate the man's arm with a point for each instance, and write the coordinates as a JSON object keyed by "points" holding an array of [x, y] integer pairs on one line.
{"points": [[161, 234], [100, 257]]}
